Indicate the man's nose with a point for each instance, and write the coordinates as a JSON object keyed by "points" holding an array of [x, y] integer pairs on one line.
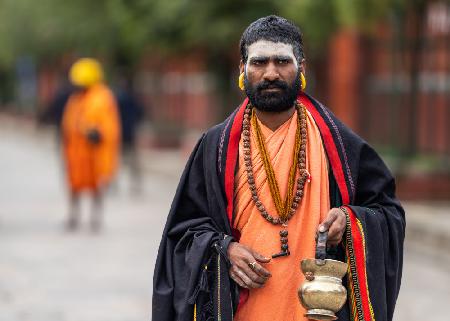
{"points": [[271, 73]]}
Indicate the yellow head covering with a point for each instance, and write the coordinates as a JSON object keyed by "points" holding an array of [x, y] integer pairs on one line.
{"points": [[86, 72]]}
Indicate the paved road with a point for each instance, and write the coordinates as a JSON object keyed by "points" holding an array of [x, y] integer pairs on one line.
{"points": [[47, 274]]}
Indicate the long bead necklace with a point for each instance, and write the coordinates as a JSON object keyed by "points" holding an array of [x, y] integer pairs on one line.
{"points": [[287, 209]]}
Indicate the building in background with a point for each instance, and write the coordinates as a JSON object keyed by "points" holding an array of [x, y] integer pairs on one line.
{"points": [[392, 86]]}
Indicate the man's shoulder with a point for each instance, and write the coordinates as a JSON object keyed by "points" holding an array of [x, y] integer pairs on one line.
{"points": [[351, 146], [336, 126]]}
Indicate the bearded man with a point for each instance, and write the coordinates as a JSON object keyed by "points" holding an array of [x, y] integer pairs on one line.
{"points": [[259, 187]]}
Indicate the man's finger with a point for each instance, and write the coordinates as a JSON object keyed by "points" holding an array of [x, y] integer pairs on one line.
{"points": [[238, 280], [261, 271], [327, 223], [255, 277], [332, 216], [240, 271], [336, 230], [247, 280], [261, 258], [337, 234]]}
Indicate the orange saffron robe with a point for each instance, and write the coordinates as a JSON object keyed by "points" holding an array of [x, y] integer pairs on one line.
{"points": [[278, 300], [91, 166]]}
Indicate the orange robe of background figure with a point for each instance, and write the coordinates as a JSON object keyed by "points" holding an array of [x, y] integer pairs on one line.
{"points": [[90, 166]]}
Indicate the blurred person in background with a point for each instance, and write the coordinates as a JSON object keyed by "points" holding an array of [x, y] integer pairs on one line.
{"points": [[54, 113], [131, 114], [90, 138], [258, 189]]}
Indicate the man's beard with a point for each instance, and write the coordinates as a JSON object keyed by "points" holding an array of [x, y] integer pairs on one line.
{"points": [[276, 102]]}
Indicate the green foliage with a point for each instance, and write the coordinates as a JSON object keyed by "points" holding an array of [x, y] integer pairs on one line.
{"points": [[319, 19], [46, 28]]}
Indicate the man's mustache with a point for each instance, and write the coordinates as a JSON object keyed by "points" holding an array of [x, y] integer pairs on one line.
{"points": [[278, 84]]}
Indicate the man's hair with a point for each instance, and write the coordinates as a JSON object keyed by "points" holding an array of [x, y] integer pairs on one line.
{"points": [[272, 28]]}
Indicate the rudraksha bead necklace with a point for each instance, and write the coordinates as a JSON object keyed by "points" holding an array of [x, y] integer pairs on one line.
{"points": [[292, 200]]}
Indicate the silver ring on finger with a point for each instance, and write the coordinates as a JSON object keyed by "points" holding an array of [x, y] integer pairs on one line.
{"points": [[252, 265]]}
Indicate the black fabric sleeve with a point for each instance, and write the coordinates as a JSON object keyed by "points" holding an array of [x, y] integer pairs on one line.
{"points": [[189, 233], [383, 222]]}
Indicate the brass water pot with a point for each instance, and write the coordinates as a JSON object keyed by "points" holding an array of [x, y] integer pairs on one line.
{"points": [[322, 294]]}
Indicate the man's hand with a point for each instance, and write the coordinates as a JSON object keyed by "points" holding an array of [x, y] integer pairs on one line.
{"points": [[335, 225], [94, 136], [246, 269]]}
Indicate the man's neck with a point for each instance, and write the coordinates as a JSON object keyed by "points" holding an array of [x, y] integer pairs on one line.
{"points": [[274, 120]]}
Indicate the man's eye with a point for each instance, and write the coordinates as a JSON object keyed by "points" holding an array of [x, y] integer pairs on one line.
{"points": [[258, 62], [283, 61]]}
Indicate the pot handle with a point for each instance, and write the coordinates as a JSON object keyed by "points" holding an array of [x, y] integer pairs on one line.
{"points": [[321, 247]]}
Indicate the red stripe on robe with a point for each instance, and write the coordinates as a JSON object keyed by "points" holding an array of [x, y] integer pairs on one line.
{"points": [[232, 156], [330, 147]]}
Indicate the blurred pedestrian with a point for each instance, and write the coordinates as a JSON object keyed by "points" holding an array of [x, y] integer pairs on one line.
{"points": [[131, 114], [54, 112], [91, 138]]}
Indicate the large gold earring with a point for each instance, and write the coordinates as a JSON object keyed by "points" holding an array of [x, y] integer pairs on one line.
{"points": [[302, 81], [241, 81]]}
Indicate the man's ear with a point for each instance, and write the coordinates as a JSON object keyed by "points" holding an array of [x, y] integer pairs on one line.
{"points": [[303, 67], [241, 67]]}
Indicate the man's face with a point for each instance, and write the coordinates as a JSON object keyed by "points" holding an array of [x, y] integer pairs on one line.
{"points": [[272, 79]]}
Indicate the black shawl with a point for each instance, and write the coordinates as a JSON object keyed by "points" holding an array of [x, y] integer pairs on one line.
{"points": [[191, 272]]}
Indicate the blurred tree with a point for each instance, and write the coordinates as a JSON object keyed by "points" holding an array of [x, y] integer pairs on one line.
{"points": [[321, 18], [47, 28], [122, 30], [125, 27]]}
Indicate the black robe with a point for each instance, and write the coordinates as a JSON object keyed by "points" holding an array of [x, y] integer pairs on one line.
{"points": [[191, 272]]}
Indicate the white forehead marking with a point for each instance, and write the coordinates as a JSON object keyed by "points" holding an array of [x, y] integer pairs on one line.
{"points": [[266, 48]]}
